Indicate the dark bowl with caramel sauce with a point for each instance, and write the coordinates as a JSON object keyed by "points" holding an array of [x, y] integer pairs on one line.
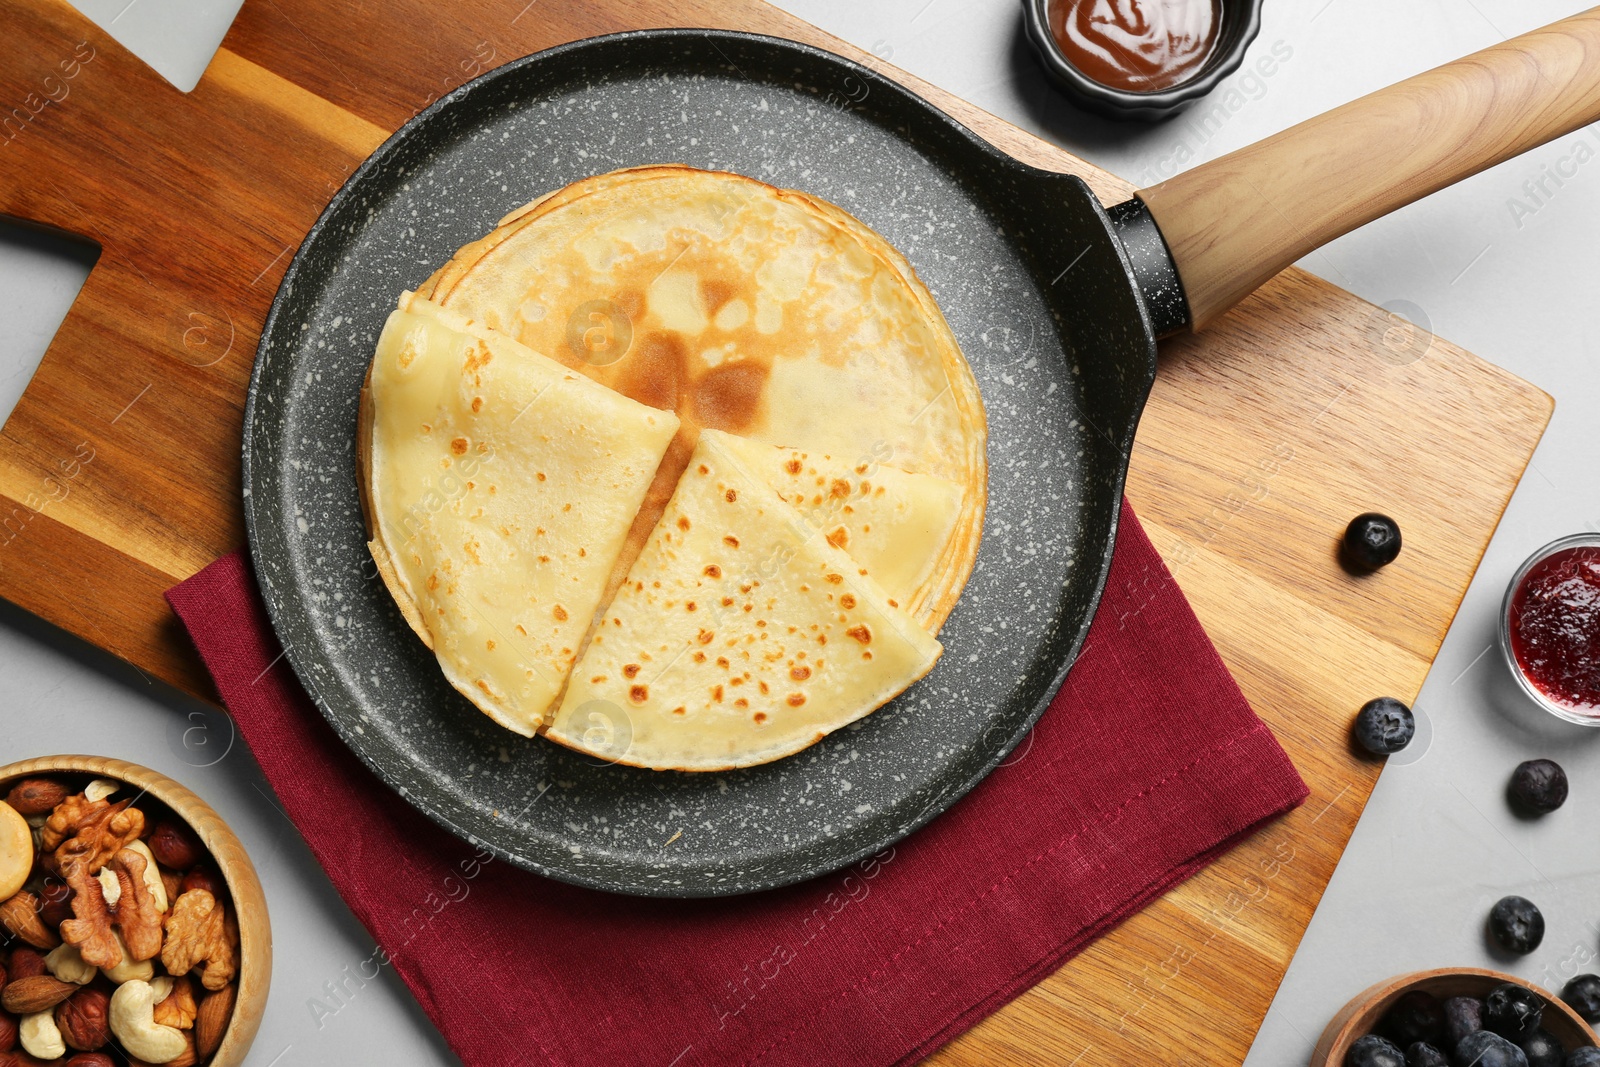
{"points": [[1140, 59]]}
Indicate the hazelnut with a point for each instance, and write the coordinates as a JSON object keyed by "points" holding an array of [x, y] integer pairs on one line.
{"points": [[25, 963], [203, 878], [49, 864], [171, 881], [174, 845], [84, 1019], [36, 796], [8, 1031], [90, 1059], [55, 903]]}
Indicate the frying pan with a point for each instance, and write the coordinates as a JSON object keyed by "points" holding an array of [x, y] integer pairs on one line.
{"points": [[1056, 301]]}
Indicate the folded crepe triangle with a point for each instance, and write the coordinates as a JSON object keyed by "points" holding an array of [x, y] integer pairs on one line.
{"points": [[740, 635], [895, 523], [499, 488]]}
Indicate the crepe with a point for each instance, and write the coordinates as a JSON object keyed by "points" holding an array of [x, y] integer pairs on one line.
{"points": [[762, 312], [499, 489], [740, 635], [893, 523]]}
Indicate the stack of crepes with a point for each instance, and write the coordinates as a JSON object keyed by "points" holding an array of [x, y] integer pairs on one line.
{"points": [[674, 468]]}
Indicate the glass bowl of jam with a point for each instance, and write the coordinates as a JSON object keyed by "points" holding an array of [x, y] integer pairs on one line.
{"points": [[1141, 59], [1550, 628]]}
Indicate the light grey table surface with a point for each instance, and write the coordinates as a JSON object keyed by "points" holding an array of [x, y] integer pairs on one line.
{"points": [[1496, 264]]}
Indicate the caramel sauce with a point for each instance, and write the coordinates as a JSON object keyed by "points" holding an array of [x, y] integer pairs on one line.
{"points": [[1136, 45]]}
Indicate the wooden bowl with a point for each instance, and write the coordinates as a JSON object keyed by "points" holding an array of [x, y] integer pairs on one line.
{"points": [[1361, 1015], [250, 904]]}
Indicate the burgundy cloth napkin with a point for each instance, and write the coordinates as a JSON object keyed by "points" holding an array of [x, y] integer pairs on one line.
{"points": [[1148, 765]]}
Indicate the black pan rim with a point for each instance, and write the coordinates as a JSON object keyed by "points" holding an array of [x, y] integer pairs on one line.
{"points": [[276, 611]]}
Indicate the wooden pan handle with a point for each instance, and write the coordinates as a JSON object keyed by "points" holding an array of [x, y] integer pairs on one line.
{"points": [[1233, 223]]}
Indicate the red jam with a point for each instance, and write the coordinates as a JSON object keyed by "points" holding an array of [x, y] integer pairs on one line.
{"points": [[1555, 627], [1138, 45]]}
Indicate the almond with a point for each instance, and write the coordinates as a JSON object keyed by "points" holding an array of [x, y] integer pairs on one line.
{"points": [[40, 992], [211, 1022], [36, 796], [20, 915]]}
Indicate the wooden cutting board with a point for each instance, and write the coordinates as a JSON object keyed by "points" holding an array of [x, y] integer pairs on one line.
{"points": [[119, 470]]}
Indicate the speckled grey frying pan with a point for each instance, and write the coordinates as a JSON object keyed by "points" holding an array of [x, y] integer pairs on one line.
{"points": [[1056, 303]]}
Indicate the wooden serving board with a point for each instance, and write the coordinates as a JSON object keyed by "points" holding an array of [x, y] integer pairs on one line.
{"points": [[119, 470]]}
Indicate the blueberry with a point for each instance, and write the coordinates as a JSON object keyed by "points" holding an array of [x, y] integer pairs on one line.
{"points": [[1462, 1016], [1512, 1011], [1516, 924], [1483, 1049], [1583, 994], [1374, 1051], [1543, 1050], [1371, 541], [1539, 785], [1423, 1054], [1384, 725], [1417, 1016], [1588, 1056]]}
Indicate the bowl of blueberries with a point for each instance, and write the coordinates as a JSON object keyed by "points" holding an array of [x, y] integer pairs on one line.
{"points": [[1464, 1017]]}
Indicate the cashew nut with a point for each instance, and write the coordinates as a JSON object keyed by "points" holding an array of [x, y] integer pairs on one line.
{"points": [[110, 888], [152, 874], [66, 963], [128, 969], [160, 988], [133, 1022], [16, 851], [41, 1037], [99, 789]]}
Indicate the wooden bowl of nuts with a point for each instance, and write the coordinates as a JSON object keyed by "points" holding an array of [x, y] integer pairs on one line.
{"points": [[134, 927]]}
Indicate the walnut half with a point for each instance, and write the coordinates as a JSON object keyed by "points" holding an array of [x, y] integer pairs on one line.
{"points": [[201, 934], [178, 1008], [138, 917], [90, 831], [90, 930]]}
